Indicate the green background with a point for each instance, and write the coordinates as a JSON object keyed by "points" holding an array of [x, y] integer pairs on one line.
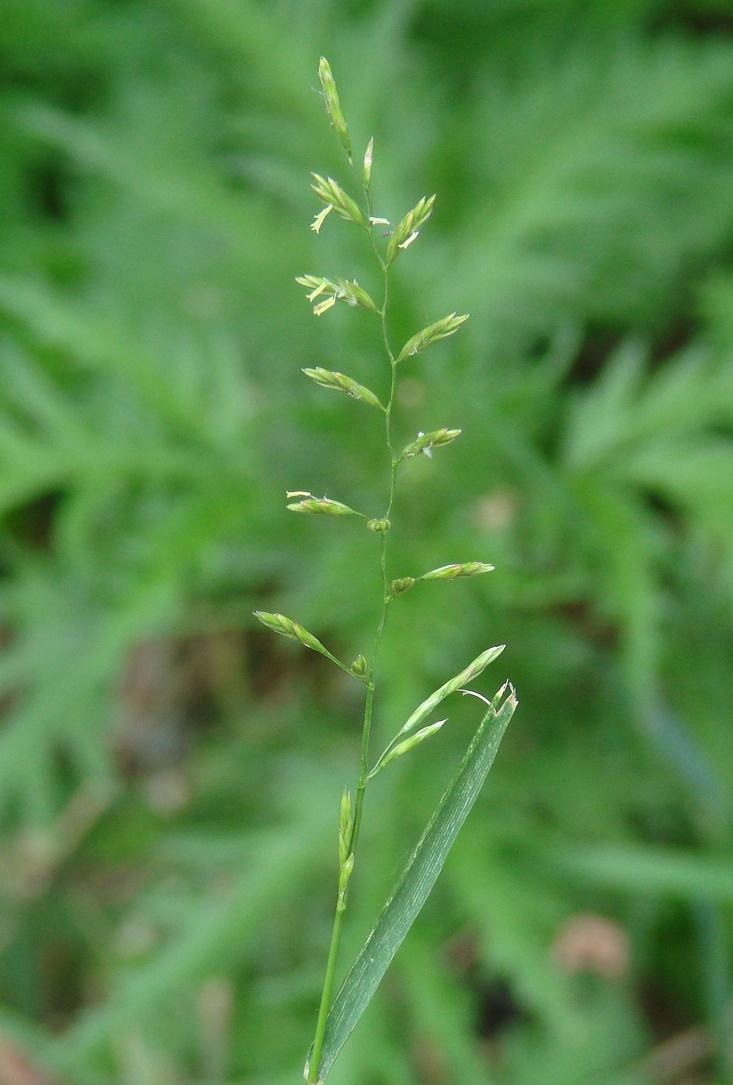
{"points": [[169, 771]]}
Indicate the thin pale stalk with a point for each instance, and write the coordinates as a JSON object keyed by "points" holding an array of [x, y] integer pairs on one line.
{"points": [[366, 732], [327, 992]]}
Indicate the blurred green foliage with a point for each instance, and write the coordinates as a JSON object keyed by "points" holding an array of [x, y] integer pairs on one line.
{"points": [[169, 776]]}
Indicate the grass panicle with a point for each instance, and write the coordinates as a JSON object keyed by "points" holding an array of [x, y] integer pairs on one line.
{"points": [[323, 293]]}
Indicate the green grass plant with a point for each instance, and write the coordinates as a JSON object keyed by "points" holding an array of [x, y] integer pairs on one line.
{"points": [[336, 1019]]}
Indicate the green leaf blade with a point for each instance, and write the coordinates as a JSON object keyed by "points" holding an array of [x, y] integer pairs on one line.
{"points": [[415, 882]]}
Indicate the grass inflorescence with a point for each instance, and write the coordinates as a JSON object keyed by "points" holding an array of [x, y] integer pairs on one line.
{"points": [[336, 1018]]}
